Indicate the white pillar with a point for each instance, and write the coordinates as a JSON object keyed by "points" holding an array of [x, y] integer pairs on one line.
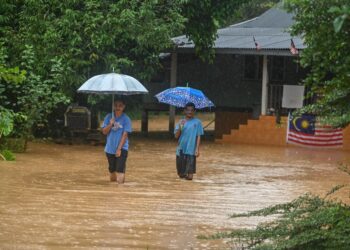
{"points": [[173, 80], [265, 78]]}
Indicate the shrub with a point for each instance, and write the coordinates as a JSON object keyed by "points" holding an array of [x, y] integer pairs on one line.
{"points": [[308, 222], [7, 155]]}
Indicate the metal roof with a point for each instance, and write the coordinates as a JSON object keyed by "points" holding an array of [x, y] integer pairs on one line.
{"points": [[270, 30]]}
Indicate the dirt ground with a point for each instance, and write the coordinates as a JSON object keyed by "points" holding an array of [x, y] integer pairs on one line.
{"points": [[59, 197]]}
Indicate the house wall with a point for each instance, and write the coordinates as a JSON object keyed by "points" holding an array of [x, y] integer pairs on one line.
{"points": [[222, 81]]}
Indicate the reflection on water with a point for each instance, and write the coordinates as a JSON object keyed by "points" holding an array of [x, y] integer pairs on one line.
{"points": [[58, 196]]}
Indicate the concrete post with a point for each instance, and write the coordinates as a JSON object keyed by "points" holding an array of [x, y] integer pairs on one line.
{"points": [[173, 80], [265, 78]]}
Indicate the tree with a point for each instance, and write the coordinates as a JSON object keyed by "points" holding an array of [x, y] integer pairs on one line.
{"points": [[203, 18], [248, 10], [325, 27], [8, 77], [61, 44]]}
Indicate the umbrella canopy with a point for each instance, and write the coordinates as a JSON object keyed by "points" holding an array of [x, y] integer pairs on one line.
{"points": [[113, 83], [180, 96]]}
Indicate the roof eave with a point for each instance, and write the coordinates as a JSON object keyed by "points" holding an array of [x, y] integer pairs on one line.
{"points": [[272, 52]]}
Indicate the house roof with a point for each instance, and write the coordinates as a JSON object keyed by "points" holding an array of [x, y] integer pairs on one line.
{"points": [[270, 30]]}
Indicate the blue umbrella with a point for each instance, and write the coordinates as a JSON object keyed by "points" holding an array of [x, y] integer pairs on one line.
{"points": [[180, 96]]}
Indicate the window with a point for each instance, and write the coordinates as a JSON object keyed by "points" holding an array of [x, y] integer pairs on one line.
{"points": [[278, 68], [252, 67]]}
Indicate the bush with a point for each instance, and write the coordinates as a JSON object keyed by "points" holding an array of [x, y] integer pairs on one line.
{"points": [[17, 145], [7, 155], [308, 222]]}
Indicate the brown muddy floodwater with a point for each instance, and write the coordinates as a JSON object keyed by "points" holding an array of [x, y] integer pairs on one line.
{"points": [[59, 197]]}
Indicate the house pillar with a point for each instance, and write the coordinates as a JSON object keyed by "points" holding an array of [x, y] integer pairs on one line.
{"points": [[173, 79], [264, 92], [144, 121]]}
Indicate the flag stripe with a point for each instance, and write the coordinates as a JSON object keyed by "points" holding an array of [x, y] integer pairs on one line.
{"points": [[314, 138], [316, 144], [340, 140], [327, 130], [318, 134]]}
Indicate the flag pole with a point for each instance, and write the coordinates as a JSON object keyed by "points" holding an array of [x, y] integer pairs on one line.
{"points": [[288, 124]]}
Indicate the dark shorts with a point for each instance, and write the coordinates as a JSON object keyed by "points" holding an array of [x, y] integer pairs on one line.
{"points": [[185, 164], [117, 164]]}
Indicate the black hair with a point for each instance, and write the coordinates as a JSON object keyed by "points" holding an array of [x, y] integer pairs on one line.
{"points": [[122, 100], [190, 104]]}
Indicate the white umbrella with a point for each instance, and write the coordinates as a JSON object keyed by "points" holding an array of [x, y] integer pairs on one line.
{"points": [[113, 83]]}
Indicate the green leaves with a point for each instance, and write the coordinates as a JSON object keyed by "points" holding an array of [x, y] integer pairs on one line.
{"points": [[60, 44], [6, 121], [308, 222], [325, 27], [203, 18], [343, 12]]}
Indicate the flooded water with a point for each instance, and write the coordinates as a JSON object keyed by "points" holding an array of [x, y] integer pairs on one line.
{"points": [[59, 196]]}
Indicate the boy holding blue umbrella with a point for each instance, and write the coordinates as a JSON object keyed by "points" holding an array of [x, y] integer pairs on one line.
{"points": [[188, 132]]}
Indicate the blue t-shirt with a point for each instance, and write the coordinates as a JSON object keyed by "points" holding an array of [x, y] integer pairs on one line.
{"points": [[122, 124], [188, 138]]}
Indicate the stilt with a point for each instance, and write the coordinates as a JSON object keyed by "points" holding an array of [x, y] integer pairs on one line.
{"points": [[173, 79], [144, 121]]}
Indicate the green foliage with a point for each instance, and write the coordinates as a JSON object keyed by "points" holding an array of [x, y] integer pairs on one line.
{"points": [[343, 13], [6, 121], [203, 18], [248, 10], [16, 145], [308, 222], [60, 44], [7, 155], [325, 26], [9, 78]]}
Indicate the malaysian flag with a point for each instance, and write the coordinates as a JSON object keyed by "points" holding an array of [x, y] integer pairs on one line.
{"points": [[293, 49], [306, 131], [257, 46]]}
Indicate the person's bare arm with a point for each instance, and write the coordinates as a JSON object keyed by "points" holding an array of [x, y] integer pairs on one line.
{"points": [[177, 134], [121, 144], [198, 143], [106, 129]]}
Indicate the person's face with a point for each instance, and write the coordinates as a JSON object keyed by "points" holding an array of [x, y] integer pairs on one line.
{"points": [[189, 112], [119, 107]]}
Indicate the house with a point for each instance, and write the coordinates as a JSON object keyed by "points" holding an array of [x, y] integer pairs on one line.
{"points": [[254, 59]]}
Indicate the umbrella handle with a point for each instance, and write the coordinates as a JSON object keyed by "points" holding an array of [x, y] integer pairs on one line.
{"points": [[112, 105]]}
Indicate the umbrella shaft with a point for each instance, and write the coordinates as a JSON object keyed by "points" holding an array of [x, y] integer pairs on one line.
{"points": [[112, 105]]}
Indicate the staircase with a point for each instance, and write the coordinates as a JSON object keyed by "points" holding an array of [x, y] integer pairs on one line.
{"points": [[346, 138], [264, 131]]}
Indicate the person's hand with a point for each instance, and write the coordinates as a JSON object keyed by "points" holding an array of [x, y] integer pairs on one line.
{"points": [[118, 153], [197, 153], [182, 123], [111, 121]]}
